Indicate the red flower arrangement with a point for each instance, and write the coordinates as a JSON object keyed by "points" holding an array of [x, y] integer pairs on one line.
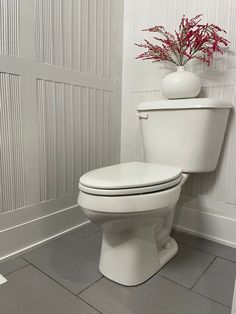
{"points": [[192, 41]]}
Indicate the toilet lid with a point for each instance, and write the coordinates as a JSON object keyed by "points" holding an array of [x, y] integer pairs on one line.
{"points": [[130, 176], [131, 191]]}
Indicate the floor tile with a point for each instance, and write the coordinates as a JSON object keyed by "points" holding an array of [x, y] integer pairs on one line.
{"points": [[28, 291], [187, 266], [95, 239], [217, 283], [12, 265], [156, 296], [69, 260], [86, 230], [206, 245]]}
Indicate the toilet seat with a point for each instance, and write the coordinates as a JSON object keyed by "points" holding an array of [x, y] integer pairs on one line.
{"points": [[152, 203], [130, 179], [130, 191]]}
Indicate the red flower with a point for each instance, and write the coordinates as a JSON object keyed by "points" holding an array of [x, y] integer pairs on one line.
{"points": [[192, 41]]}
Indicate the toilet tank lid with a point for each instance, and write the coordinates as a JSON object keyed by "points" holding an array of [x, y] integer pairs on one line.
{"points": [[190, 103]]}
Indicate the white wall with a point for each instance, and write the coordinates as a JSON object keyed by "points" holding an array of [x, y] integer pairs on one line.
{"points": [[208, 203], [60, 99]]}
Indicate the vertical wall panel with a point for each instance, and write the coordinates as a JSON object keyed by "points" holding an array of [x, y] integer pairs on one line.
{"points": [[9, 28], [85, 128], [91, 50], [106, 38], [77, 34], [99, 37], [67, 24], [56, 139], [76, 134], [12, 194], [60, 138], [98, 128], [92, 128], [77, 138], [105, 127]]}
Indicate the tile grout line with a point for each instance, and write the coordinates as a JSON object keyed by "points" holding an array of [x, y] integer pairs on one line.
{"points": [[75, 294], [13, 271], [205, 270], [90, 285], [68, 290], [207, 252], [195, 292], [177, 283], [41, 271], [78, 295], [97, 310], [186, 288]]}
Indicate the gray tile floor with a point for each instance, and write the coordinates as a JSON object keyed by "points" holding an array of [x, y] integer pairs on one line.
{"points": [[62, 277]]}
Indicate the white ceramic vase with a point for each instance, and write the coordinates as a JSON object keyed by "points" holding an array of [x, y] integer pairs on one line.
{"points": [[180, 84]]}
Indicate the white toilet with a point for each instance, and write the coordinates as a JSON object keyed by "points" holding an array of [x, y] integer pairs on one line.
{"points": [[134, 202]]}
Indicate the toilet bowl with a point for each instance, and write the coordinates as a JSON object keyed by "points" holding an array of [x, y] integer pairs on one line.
{"points": [[134, 205], [134, 202]]}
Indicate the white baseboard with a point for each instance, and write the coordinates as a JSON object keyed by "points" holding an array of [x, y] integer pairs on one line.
{"points": [[204, 218], [22, 236]]}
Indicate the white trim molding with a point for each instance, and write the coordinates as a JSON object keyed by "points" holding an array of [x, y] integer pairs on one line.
{"points": [[207, 219], [24, 232], [2, 280]]}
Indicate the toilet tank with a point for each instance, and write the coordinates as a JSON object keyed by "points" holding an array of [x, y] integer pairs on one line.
{"points": [[186, 133]]}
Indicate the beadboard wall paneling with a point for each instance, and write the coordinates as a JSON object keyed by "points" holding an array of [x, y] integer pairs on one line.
{"points": [[66, 82], [9, 27], [60, 96], [12, 177], [141, 81], [77, 34], [76, 135]]}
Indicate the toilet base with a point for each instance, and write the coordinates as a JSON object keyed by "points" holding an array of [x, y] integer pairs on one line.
{"points": [[131, 257]]}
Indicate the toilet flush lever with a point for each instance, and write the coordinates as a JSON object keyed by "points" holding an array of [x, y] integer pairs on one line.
{"points": [[142, 115]]}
